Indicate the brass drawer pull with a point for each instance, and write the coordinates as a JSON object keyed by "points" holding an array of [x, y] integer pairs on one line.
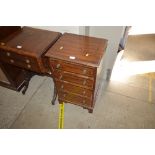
{"points": [[62, 86], [27, 61], [29, 66], [19, 46], [8, 54], [12, 61], [58, 66], [84, 82], [84, 71], [2, 43]]}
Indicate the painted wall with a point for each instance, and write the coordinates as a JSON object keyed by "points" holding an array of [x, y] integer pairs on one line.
{"points": [[113, 34], [62, 29]]}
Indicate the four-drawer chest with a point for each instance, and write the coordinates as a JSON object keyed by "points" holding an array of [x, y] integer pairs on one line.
{"points": [[76, 65]]}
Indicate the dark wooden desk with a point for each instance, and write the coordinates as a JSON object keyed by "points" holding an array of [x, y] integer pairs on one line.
{"points": [[25, 48]]}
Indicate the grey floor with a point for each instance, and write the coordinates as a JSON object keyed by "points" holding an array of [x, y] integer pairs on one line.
{"points": [[122, 103]]}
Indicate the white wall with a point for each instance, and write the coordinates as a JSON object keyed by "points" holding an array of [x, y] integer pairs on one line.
{"points": [[62, 29], [113, 34]]}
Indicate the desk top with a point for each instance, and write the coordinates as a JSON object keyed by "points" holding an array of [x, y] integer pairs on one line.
{"points": [[79, 49], [34, 42]]}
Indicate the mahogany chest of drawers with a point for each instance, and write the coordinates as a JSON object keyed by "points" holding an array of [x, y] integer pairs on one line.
{"points": [[76, 65], [26, 47]]}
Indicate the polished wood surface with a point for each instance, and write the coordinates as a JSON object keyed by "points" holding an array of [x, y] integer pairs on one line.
{"points": [[27, 47], [86, 50], [6, 31], [75, 63]]}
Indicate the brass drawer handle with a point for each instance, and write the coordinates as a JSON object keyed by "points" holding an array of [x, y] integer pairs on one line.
{"points": [[12, 61], [58, 66], [2, 43], [8, 54], [84, 82], [19, 47], [27, 61], [84, 71], [29, 66], [62, 86]]}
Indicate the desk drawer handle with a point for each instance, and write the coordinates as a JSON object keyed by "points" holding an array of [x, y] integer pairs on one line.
{"points": [[84, 82], [8, 54], [2, 43], [27, 61], [12, 61], [29, 66], [58, 66]]}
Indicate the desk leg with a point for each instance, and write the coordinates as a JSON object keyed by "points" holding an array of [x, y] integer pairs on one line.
{"points": [[54, 95], [28, 77]]}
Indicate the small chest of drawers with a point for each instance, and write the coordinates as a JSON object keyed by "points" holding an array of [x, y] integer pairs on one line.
{"points": [[75, 63]]}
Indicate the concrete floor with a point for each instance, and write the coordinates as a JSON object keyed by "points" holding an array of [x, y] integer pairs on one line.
{"points": [[122, 104]]}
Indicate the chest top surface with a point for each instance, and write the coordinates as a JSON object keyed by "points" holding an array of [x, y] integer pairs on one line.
{"points": [[30, 41], [79, 49]]}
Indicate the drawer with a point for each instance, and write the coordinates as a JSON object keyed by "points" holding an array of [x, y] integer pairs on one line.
{"points": [[72, 67], [65, 86], [19, 60], [73, 78], [75, 99]]}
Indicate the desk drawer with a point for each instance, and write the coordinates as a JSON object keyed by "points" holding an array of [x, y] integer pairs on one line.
{"points": [[75, 99], [65, 86], [73, 78], [19, 60], [72, 67]]}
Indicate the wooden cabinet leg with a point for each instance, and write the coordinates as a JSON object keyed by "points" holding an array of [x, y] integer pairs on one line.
{"points": [[90, 110], [54, 95], [28, 76]]}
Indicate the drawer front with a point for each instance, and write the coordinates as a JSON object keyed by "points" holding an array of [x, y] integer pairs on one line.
{"points": [[71, 67], [75, 99], [63, 86], [73, 78], [19, 60]]}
